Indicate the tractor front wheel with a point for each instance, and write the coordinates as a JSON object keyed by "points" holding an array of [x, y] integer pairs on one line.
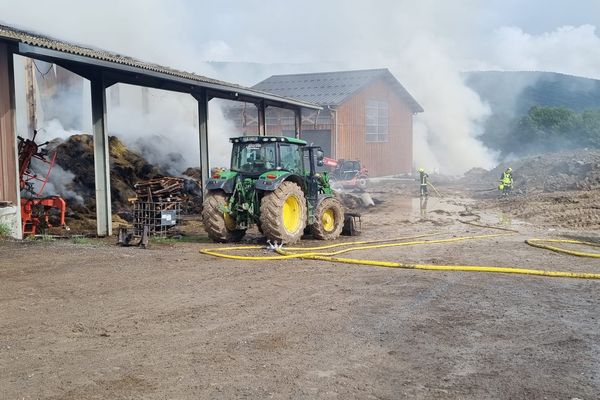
{"points": [[283, 213], [329, 219], [219, 225]]}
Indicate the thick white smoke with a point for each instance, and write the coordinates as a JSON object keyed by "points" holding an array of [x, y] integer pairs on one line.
{"points": [[573, 50], [445, 135], [220, 129], [60, 180], [159, 125], [425, 44], [163, 127], [53, 129], [60, 183]]}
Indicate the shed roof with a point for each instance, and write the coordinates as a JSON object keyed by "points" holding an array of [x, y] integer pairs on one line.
{"points": [[32, 44], [332, 88]]}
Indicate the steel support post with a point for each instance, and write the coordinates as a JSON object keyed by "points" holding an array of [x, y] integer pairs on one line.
{"points": [[101, 157], [262, 128], [298, 121], [202, 99]]}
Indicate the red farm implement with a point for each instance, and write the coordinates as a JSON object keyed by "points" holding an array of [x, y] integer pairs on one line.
{"points": [[35, 209]]}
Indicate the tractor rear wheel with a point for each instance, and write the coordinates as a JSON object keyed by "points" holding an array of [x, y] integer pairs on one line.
{"points": [[219, 225], [283, 213], [329, 219]]}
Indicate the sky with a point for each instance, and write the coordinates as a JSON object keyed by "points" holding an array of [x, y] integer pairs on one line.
{"points": [[271, 31], [426, 44]]}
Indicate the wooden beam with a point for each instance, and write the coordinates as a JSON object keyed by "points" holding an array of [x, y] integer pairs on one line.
{"points": [[30, 95]]}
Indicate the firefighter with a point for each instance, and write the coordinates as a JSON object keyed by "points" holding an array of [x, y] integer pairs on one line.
{"points": [[423, 179], [506, 181]]}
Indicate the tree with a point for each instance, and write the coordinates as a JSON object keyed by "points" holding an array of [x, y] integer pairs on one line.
{"points": [[543, 129]]}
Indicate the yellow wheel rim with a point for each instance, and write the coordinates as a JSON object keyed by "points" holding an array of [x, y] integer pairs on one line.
{"points": [[291, 214], [229, 221], [328, 220]]}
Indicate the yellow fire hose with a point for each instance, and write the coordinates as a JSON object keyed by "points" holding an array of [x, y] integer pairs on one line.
{"points": [[538, 243], [367, 245], [310, 254], [431, 184]]}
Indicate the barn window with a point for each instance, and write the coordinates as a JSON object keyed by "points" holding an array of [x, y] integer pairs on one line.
{"points": [[376, 118]]}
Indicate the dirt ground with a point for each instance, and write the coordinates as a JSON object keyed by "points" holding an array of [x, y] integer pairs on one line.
{"points": [[86, 319]]}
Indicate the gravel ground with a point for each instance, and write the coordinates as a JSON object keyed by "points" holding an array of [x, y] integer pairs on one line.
{"points": [[90, 320]]}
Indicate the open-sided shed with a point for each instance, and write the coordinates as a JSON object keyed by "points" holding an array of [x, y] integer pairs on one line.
{"points": [[104, 69]]}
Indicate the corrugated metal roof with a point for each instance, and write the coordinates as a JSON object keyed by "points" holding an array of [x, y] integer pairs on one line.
{"points": [[38, 40], [331, 88]]}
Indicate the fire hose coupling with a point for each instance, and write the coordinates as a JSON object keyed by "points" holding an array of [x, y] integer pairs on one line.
{"points": [[273, 246]]}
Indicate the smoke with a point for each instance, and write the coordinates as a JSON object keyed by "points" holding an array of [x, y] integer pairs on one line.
{"points": [[157, 124], [54, 129], [446, 135], [573, 50], [420, 42], [163, 127], [60, 181], [425, 44], [220, 129]]}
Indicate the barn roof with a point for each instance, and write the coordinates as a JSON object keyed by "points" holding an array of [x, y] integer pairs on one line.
{"points": [[332, 88], [55, 50]]}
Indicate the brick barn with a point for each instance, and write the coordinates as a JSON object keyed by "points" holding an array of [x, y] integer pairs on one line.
{"points": [[367, 115]]}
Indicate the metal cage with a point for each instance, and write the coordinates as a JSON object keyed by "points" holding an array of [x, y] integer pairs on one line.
{"points": [[160, 217]]}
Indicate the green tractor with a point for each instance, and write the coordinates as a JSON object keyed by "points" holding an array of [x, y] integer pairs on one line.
{"points": [[273, 184]]}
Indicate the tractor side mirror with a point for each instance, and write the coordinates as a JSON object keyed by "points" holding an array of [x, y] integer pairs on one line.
{"points": [[320, 156]]}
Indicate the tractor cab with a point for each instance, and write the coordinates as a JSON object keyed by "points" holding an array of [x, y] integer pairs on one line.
{"points": [[255, 155]]}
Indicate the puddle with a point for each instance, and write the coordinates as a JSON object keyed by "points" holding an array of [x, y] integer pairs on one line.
{"points": [[426, 207], [500, 219], [436, 205]]}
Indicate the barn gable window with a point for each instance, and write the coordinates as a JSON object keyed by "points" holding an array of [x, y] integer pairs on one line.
{"points": [[376, 118]]}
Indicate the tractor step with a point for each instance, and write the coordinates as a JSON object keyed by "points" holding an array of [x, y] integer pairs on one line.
{"points": [[352, 224]]}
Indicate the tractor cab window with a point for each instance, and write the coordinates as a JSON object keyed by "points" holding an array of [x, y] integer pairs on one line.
{"points": [[253, 158], [291, 159]]}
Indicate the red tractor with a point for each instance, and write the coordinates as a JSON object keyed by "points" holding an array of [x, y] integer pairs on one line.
{"points": [[35, 210], [347, 173]]}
